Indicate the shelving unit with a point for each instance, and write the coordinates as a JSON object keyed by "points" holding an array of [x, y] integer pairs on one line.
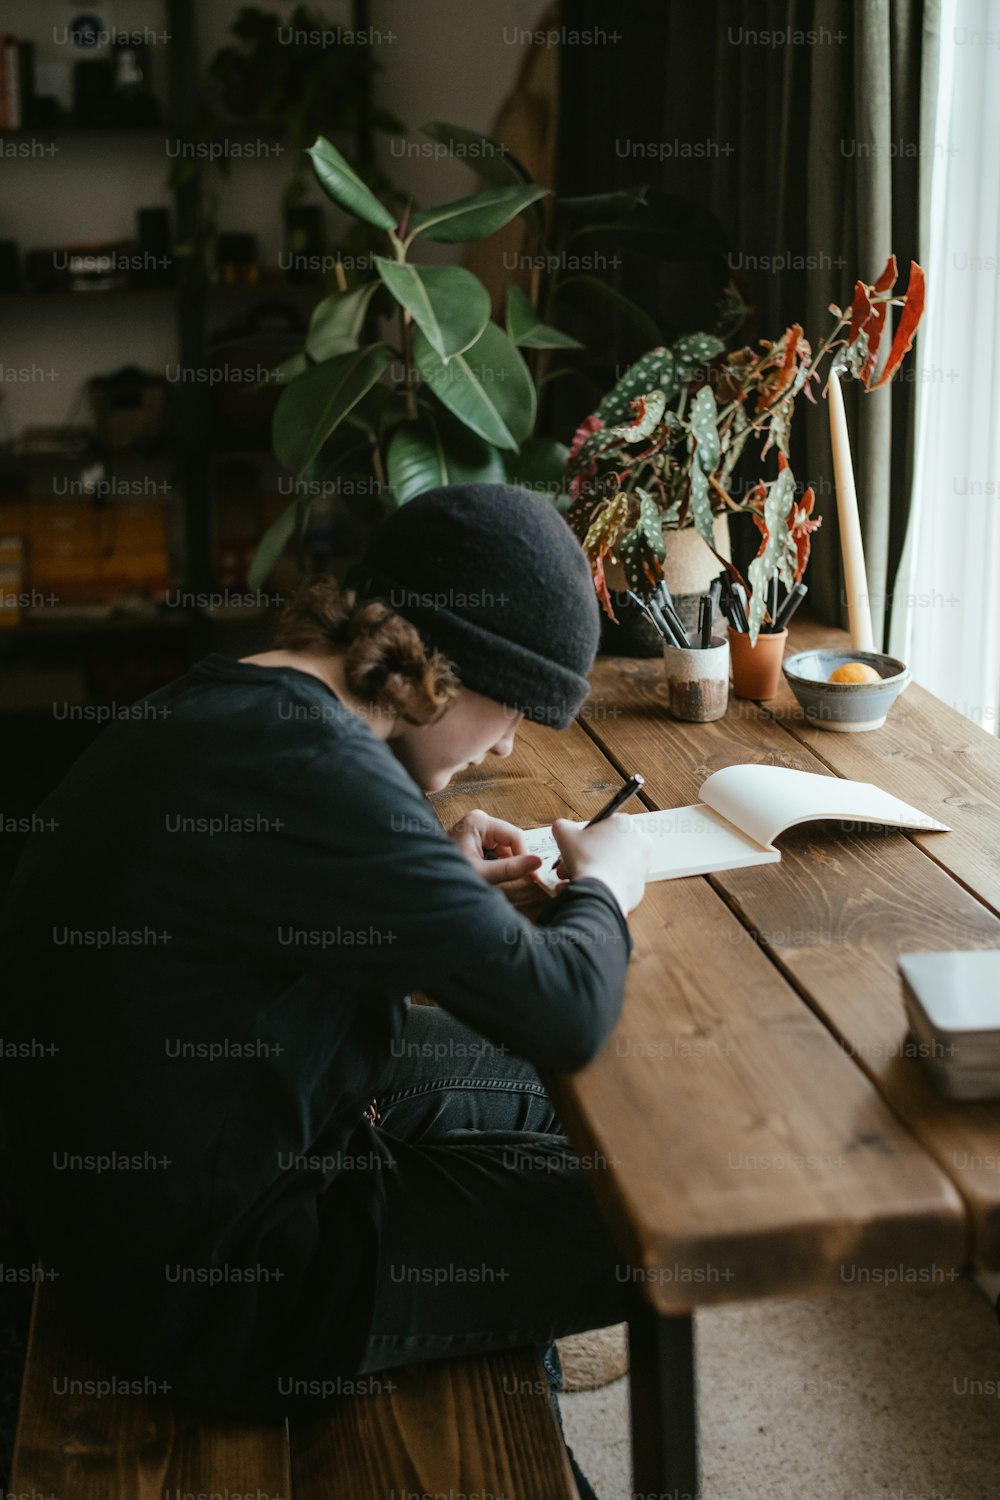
{"points": [[207, 460]]}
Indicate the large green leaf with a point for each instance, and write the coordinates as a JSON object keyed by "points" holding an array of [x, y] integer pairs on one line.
{"points": [[472, 218], [336, 324], [527, 329], [603, 205], [283, 373], [488, 158], [319, 399], [382, 408], [431, 452], [539, 466], [618, 300], [488, 387], [450, 304], [270, 547], [340, 182]]}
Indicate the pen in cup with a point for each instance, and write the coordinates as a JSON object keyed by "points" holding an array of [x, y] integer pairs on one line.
{"points": [[659, 621], [742, 607], [791, 604], [663, 601], [705, 621]]}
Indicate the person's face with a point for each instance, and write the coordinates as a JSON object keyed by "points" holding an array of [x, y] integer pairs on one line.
{"points": [[471, 728]]}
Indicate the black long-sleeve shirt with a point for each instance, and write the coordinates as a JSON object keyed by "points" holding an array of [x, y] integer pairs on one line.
{"points": [[205, 961]]}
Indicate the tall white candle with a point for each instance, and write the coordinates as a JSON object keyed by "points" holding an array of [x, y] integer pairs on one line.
{"points": [[855, 577]]}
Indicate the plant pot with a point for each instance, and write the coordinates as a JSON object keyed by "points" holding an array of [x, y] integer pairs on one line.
{"points": [[757, 669], [689, 568]]}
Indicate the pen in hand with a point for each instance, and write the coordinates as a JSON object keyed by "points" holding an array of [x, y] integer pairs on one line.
{"points": [[618, 800]]}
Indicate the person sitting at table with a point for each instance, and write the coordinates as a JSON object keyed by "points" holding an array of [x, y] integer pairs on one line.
{"points": [[258, 1169]]}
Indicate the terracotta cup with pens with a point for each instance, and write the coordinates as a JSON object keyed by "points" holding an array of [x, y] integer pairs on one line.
{"points": [[757, 666], [757, 669]]}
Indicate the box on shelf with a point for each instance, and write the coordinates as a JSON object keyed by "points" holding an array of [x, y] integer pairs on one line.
{"points": [[12, 585], [80, 551]]}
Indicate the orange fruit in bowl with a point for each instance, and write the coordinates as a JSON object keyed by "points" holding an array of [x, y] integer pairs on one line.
{"points": [[854, 671]]}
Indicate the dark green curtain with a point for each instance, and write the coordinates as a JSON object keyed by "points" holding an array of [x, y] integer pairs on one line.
{"points": [[803, 126]]}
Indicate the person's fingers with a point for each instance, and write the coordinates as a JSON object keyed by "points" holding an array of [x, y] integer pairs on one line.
{"points": [[469, 824], [517, 865], [565, 834], [496, 832]]}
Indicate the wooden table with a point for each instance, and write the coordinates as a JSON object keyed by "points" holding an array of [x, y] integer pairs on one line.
{"points": [[758, 1124]]}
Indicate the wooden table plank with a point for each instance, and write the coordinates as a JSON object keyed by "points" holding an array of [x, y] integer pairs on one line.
{"points": [[71, 1444], [928, 754], [735, 1149], [834, 914]]}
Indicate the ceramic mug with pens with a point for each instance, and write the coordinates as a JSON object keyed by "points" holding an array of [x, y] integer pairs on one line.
{"points": [[696, 670]]}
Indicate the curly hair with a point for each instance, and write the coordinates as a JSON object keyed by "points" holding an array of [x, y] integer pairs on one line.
{"points": [[385, 661]]}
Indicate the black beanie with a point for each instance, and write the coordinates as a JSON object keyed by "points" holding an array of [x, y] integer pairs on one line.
{"points": [[494, 579]]}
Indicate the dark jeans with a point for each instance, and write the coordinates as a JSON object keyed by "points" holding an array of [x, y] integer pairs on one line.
{"points": [[492, 1237]]}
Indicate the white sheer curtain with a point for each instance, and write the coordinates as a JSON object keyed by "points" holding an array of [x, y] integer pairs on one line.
{"points": [[946, 619]]}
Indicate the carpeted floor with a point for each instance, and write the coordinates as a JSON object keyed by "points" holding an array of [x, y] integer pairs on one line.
{"points": [[870, 1394]]}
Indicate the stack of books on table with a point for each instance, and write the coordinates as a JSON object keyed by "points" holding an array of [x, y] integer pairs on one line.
{"points": [[953, 1004]]}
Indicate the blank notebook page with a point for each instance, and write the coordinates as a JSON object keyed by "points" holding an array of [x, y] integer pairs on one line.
{"points": [[686, 841], [765, 800]]}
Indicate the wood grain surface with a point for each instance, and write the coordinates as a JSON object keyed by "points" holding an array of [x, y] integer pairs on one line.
{"points": [[75, 1444], [470, 1426], [840, 907], [735, 1148], [456, 1427]]}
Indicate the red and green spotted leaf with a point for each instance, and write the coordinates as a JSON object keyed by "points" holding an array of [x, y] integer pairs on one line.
{"points": [[875, 328], [601, 586], [773, 528], [588, 426], [590, 439], [909, 319], [800, 524], [643, 549], [782, 377], [647, 413], [602, 535], [861, 311]]}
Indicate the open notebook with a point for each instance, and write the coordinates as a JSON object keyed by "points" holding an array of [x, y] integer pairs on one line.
{"points": [[743, 810]]}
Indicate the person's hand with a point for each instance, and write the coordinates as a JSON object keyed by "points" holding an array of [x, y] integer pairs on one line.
{"points": [[612, 851], [479, 835]]}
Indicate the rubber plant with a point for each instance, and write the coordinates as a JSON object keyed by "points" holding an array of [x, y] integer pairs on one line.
{"points": [[661, 448], [449, 394]]}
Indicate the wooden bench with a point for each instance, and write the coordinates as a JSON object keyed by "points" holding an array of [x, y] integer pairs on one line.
{"points": [[483, 1426]]}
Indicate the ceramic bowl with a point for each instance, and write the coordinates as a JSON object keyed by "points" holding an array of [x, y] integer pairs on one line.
{"points": [[846, 707]]}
